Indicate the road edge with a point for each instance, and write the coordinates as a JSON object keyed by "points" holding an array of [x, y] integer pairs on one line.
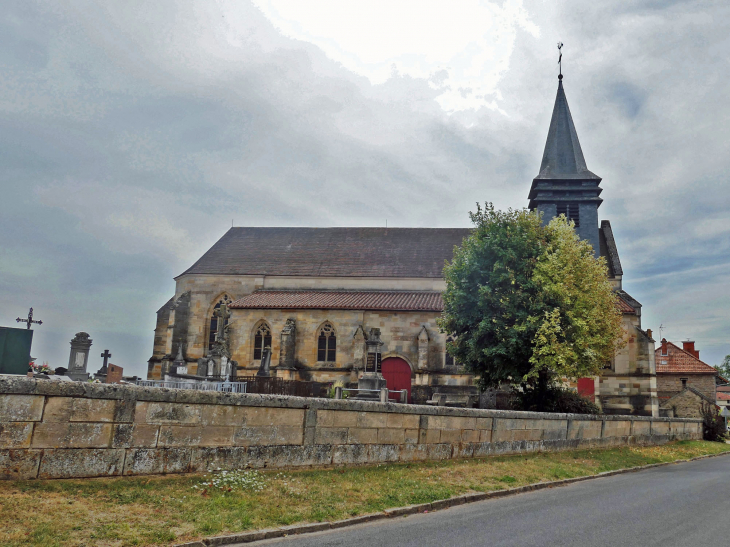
{"points": [[296, 529]]}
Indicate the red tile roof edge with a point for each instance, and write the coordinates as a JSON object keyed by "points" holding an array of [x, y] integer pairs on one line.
{"points": [[624, 306], [657, 352], [338, 299]]}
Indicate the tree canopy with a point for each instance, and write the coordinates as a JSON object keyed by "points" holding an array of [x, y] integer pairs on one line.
{"points": [[527, 303], [724, 368]]}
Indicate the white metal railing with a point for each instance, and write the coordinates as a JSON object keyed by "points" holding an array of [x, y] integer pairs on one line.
{"points": [[227, 387], [384, 393]]}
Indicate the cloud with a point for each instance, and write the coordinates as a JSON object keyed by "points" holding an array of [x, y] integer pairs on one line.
{"points": [[132, 134], [470, 45]]}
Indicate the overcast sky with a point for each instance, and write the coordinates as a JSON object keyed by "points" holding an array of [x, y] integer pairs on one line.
{"points": [[133, 133]]}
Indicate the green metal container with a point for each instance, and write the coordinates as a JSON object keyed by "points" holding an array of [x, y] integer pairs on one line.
{"points": [[15, 350]]}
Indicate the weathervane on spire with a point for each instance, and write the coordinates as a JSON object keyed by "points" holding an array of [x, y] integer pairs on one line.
{"points": [[560, 59]]}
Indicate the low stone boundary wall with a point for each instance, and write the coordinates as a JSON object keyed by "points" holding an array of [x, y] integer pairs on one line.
{"points": [[68, 430]]}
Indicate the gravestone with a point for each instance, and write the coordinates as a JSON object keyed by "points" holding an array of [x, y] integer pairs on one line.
{"points": [[287, 353], [372, 380], [265, 368], [179, 365], [114, 374], [15, 350], [104, 370], [79, 358]]}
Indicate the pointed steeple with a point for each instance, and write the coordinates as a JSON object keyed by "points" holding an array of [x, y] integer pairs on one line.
{"points": [[564, 184], [563, 156]]}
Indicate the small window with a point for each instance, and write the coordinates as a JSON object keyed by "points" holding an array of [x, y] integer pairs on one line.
{"points": [[327, 344], [261, 340], [571, 212], [214, 320], [449, 360], [684, 382]]}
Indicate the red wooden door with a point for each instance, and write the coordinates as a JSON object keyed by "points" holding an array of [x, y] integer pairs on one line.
{"points": [[587, 388], [397, 376]]}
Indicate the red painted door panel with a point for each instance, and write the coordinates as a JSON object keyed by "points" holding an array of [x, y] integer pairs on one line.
{"points": [[397, 376], [587, 388]]}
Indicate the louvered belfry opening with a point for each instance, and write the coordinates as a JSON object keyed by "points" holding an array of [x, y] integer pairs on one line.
{"points": [[571, 212]]}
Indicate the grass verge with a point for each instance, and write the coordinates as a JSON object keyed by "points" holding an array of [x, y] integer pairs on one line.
{"points": [[162, 510]]}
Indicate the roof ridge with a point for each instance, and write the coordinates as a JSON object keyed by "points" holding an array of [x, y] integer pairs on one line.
{"points": [[348, 228], [688, 353], [424, 291]]}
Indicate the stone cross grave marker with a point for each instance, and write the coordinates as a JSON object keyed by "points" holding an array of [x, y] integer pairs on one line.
{"points": [[106, 356], [29, 321]]}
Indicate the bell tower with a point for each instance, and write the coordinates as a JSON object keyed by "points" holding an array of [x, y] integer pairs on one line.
{"points": [[564, 184]]}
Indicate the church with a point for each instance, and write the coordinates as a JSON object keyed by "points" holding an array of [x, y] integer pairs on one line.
{"points": [[315, 295]]}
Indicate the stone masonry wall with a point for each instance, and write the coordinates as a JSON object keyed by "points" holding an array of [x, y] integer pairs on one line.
{"points": [[69, 430], [668, 385]]}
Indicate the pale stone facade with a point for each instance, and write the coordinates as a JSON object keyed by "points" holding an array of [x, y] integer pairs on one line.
{"points": [[630, 385], [410, 335], [248, 265]]}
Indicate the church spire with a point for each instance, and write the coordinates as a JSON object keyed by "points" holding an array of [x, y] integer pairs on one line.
{"points": [[563, 156], [565, 185]]}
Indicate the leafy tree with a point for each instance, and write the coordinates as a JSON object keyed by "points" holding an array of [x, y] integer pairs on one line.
{"points": [[528, 304], [724, 368]]}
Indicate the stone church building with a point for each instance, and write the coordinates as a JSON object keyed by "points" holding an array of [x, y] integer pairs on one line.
{"points": [[313, 295]]}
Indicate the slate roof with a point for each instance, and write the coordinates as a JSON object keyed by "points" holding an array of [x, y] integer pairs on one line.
{"points": [[608, 249], [331, 252], [342, 300], [563, 156], [679, 361]]}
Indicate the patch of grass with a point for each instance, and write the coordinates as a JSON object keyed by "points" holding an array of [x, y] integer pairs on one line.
{"points": [[162, 510]]}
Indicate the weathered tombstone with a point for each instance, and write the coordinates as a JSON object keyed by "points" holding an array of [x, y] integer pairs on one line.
{"points": [[79, 358], [104, 370], [288, 344], [114, 374], [265, 368], [15, 350], [488, 399], [372, 380], [179, 366]]}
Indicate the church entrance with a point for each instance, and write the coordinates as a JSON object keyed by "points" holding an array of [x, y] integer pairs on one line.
{"points": [[587, 388], [397, 376]]}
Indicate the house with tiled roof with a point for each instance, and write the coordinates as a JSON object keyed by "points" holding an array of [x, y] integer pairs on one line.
{"points": [[683, 380], [722, 398], [314, 296]]}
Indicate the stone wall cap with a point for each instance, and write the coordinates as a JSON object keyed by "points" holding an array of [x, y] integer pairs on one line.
{"points": [[22, 385]]}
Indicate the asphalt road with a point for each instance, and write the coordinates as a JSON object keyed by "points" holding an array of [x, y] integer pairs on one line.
{"points": [[678, 505]]}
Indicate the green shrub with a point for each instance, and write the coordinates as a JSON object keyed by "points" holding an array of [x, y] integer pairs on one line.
{"points": [[713, 425], [553, 399]]}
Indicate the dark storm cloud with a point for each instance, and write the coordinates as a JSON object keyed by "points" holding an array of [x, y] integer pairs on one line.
{"points": [[132, 133]]}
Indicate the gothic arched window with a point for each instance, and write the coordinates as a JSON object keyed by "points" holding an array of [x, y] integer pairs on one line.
{"points": [[450, 362], [214, 320], [261, 340], [327, 343]]}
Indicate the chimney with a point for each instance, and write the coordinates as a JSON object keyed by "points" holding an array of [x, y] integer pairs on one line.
{"points": [[689, 347], [664, 346], [648, 332]]}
